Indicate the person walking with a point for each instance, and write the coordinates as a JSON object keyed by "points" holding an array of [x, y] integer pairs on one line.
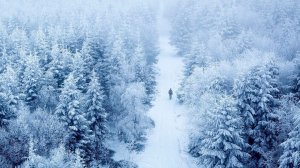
{"points": [[170, 93]]}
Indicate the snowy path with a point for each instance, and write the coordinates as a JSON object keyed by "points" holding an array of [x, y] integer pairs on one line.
{"points": [[165, 144], [163, 149]]}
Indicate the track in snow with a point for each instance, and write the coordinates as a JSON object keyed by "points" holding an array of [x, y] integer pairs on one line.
{"points": [[165, 144]]}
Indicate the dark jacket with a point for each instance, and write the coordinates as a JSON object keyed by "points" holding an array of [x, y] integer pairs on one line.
{"points": [[170, 92]]}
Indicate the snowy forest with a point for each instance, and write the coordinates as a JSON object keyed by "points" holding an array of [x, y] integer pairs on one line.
{"points": [[149, 84]]}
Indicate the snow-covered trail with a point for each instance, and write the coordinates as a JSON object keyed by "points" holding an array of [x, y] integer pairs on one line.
{"points": [[163, 148], [165, 144]]}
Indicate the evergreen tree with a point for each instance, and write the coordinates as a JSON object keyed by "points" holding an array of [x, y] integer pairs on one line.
{"points": [[61, 65], [17, 40], [291, 147], [220, 140], [117, 61], [103, 69], [266, 130], [31, 80], [33, 160], [196, 57], [92, 51], [141, 72], [61, 158], [3, 58], [79, 135], [296, 80], [58, 158], [42, 47], [150, 83], [138, 63], [109, 63], [90, 55], [7, 109], [112, 70], [9, 81], [257, 96], [47, 60], [182, 22], [96, 115], [133, 120], [144, 72], [81, 71]]}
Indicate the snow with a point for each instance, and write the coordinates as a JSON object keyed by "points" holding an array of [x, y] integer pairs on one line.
{"points": [[167, 141], [164, 147], [166, 144]]}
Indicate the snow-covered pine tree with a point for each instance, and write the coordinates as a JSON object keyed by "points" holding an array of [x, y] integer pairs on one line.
{"points": [[60, 66], [7, 111], [3, 58], [103, 69], [110, 68], [220, 140], [3, 38], [141, 72], [150, 83], [117, 61], [96, 116], [182, 23], [257, 97], [115, 69], [86, 51], [133, 121], [33, 160], [9, 89], [138, 63], [246, 91], [31, 80], [197, 57], [41, 47], [90, 53], [266, 129], [60, 158], [93, 51], [296, 80], [17, 40], [81, 71], [9, 80], [72, 38], [290, 157], [70, 113]]}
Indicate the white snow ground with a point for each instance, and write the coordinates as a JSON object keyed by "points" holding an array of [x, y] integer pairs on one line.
{"points": [[167, 141], [164, 147]]}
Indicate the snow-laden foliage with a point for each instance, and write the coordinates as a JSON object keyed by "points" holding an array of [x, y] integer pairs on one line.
{"points": [[58, 158], [219, 142], [296, 80], [257, 103], [77, 78], [252, 49], [86, 66], [79, 134], [46, 131], [229, 28], [131, 130], [205, 79], [14, 145], [291, 148], [7, 109], [31, 80], [96, 117]]}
